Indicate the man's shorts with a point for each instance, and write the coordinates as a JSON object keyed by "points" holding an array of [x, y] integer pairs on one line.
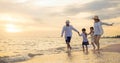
{"points": [[68, 39]]}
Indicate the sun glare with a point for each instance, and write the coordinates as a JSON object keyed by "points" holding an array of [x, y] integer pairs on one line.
{"points": [[20, 1], [7, 17], [12, 28]]}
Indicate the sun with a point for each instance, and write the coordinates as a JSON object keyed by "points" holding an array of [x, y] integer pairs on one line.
{"points": [[12, 28]]}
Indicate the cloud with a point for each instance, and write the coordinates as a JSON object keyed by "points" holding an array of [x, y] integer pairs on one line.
{"points": [[39, 10], [105, 8], [22, 8]]}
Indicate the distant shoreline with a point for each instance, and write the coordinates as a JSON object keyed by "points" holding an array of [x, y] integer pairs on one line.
{"points": [[117, 36]]}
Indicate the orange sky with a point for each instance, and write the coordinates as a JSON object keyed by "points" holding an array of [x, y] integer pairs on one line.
{"points": [[20, 16]]}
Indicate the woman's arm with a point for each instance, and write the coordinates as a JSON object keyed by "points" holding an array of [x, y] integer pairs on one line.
{"points": [[103, 23]]}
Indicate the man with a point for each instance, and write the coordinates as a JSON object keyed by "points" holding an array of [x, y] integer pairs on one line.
{"points": [[67, 31]]}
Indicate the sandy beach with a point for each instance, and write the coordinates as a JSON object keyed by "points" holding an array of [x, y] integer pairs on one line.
{"points": [[108, 54]]}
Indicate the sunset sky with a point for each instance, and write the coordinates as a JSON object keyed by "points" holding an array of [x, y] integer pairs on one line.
{"points": [[19, 16]]}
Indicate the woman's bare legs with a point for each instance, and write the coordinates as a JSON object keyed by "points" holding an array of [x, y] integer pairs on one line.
{"points": [[98, 44], [97, 39]]}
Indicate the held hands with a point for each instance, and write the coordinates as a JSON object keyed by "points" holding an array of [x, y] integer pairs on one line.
{"points": [[112, 24], [78, 33]]}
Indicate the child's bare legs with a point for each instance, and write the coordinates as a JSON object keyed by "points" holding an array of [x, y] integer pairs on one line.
{"points": [[83, 48], [86, 48], [93, 45]]}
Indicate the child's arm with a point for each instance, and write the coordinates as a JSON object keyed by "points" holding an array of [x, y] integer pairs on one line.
{"points": [[88, 33], [80, 34]]}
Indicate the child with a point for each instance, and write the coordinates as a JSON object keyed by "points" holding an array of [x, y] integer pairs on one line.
{"points": [[85, 40], [92, 37]]}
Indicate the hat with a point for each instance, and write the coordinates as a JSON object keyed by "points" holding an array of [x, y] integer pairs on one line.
{"points": [[95, 17], [67, 21]]}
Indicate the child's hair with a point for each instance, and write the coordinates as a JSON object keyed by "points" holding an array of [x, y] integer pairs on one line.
{"points": [[92, 28], [83, 29], [85, 32]]}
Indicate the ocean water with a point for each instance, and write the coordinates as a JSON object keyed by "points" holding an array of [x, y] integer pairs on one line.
{"points": [[14, 50], [48, 45]]}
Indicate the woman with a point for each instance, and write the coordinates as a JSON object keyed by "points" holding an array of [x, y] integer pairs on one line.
{"points": [[98, 30]]}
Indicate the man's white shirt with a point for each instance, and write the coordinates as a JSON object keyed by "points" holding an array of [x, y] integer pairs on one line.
{"points": [[68, 30]]}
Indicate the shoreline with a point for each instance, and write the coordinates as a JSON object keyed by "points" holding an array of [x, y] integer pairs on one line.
{"points": [[77, 57], [108, 53]]}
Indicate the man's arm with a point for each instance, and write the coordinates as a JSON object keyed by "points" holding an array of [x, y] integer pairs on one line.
{"points": [[80, 34], [63, 30], [75, 29]]}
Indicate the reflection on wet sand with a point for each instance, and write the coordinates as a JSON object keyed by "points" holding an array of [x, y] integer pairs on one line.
{"points": [[86, 52], [92, 57], [69, 55], [17, 58]]}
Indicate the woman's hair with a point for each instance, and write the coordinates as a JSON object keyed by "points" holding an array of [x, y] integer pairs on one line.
{"points": [[97, 20]]}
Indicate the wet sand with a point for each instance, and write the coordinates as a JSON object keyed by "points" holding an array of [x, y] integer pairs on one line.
{"points": [[77, 57], [108, 54], [112, 48]]}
